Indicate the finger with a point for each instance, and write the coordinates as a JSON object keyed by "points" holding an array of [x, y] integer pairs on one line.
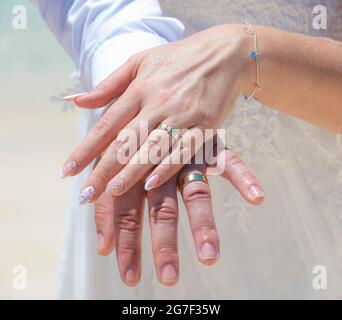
{"points": [[110, 88], [103, 133], [163, 214], [104, 220], [188, 145], [151, 153], [128, 214], [235, 170], [197, 200], [118, 156]]}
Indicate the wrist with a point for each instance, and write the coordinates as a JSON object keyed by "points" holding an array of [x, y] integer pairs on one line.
{"points": [[238, 60], [258, 72]]}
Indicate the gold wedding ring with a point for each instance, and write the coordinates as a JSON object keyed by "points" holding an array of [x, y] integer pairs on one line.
{"points": [[191, 178], [173, 132]]}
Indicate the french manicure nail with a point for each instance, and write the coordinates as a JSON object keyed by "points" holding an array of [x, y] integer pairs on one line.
{"points": [[151, 182], [131, 276], [207, 251], [169, 273], [86, 195], [68, 168], [72, 97], [256, 192], [115, 186]]}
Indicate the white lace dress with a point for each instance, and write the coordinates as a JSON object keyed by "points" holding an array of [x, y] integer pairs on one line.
{"points": [[267, 252]]}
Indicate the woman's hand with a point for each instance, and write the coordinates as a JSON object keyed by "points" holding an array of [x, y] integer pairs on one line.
{"points": [[190, 84], [193, 83], [119, 220]]}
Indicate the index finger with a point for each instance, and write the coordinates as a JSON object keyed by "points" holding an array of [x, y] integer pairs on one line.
{"points": [[110, 88], [103, 133]]}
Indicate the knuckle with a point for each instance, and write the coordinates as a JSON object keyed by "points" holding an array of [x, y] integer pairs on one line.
{"points": [[133, 59], [245, 175], [104, 220], [101, 216], [152, 144], [164, 212], [196, 194], [99, 176], [165, 249], [138, 86], [208, 119], [102, 127], [102, 211], [204, 226], [204, 117], [154, 152], [103, 84], [233, 159], [129, 220], [201, 115], [164, 95], [127, 248]]}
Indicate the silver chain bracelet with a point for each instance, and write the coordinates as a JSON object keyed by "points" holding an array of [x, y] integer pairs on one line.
{"points": [[247, 96]]}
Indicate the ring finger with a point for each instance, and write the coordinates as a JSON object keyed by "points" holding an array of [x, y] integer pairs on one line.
{"points": [[197, 200]]}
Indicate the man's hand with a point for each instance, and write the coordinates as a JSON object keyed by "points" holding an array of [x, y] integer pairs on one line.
{"points": [[119, 220]]}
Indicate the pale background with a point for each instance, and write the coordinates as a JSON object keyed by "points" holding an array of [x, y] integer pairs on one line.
{"points": [[35, 137]]}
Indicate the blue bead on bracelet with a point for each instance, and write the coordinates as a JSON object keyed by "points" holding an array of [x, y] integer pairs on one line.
{"points": [[254, 55]]}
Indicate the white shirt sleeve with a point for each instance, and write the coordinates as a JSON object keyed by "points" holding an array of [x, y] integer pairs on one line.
{"points": [[83, 26]]}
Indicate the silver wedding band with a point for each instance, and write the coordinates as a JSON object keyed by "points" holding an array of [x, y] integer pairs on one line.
{"points": [[173, 132]]}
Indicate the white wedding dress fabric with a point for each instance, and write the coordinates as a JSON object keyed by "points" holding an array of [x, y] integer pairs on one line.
{"points": [[267, 252]]}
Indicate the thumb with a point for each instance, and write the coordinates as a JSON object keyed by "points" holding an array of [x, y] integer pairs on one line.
{"points": [[110, 88]]}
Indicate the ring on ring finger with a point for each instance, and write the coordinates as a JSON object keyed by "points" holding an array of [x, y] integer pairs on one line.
{"points": [[173, 132], [191, 178]]}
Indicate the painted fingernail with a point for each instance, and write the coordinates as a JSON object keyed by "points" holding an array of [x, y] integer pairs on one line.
{"points": [[151, 182], [72, 97], [207, 251], [115, 186], [68, 169], [100, 241], [86, 195], [256, 192], [131, 276], [169, 273]]}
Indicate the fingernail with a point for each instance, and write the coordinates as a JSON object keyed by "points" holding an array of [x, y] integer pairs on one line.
{"points": [[86, 195], [68, 168], [72, 97], [115, 186], [207, 251], [151, 182], [169, 273], [256, 192], [100, 241], [131, 276]]}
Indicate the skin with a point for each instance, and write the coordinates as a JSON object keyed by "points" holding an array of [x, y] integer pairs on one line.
{"points": [[119, 220], [199, 78], [299, 75]]}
